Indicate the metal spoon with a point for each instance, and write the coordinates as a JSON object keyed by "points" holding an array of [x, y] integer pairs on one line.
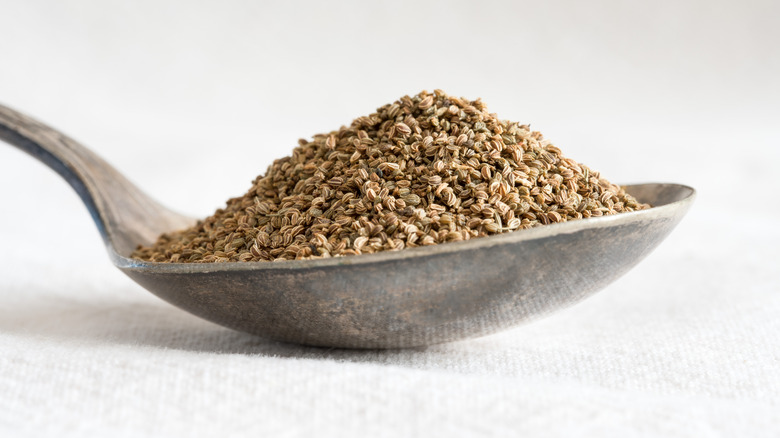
{"points": [[413, 297]]}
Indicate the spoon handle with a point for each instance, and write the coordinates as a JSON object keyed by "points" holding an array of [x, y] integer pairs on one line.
{"points": [[124, 215]]}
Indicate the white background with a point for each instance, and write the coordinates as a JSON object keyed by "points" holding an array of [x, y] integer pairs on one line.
{"points": [[192, 100]]}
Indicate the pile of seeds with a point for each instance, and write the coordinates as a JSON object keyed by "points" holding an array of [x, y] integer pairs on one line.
{"points": [[424, 170]]}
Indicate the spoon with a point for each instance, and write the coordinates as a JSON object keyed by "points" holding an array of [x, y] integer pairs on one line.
{"points": [[413, 297]]}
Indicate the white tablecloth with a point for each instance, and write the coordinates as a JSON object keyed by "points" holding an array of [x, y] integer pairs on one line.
{"points": [[685, 344]]}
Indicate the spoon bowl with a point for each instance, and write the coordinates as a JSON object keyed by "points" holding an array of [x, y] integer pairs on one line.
{"points": [[413, 297]]}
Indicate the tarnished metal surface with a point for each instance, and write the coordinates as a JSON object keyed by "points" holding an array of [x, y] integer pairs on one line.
{"points": [[413, 297]]}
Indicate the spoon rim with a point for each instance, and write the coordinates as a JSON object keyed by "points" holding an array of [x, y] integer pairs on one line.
{"points": [[541, 232]]}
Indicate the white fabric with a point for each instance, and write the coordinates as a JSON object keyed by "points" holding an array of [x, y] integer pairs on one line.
{"points": [[686, 344]]}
